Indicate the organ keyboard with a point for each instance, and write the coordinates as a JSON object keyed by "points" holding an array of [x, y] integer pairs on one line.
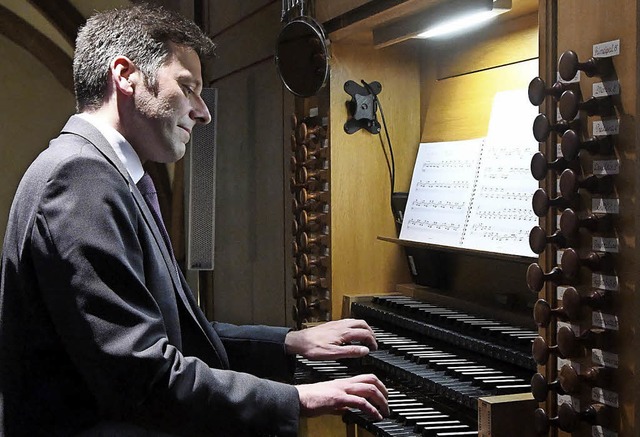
{"points": [[436, 362]]}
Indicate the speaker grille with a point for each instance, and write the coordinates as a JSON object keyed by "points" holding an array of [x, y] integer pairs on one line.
{"points": [[202, 189]]}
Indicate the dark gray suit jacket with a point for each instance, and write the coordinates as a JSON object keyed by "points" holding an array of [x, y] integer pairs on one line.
{"points": [[99, 330]]}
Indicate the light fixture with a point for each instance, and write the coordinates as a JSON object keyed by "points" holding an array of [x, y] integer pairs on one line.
{"points": [[444, 17]]}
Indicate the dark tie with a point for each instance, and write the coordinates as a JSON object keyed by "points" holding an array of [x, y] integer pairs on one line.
{"points": [[150, 194]]}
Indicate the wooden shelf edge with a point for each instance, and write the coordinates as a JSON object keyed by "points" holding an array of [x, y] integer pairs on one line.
{"points": [[449, 249]]}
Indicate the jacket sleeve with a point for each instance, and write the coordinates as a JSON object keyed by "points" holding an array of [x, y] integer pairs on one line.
{"points": [[91, 267], [257, 349]]}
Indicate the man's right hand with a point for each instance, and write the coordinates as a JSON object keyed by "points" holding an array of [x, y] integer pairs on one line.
{"points": [[363, 392]]}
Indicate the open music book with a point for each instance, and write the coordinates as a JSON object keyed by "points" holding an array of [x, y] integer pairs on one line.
{"points": [[476, 194]]}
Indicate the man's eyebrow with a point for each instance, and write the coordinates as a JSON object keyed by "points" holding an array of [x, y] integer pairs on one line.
{"points": [[188, 78]]}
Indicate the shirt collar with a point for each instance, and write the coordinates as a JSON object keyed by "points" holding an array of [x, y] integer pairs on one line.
{"points": [[120, 145]]}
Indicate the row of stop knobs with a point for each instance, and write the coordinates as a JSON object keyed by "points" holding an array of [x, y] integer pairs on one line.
{"points": [[572, 222], [309, 182]]}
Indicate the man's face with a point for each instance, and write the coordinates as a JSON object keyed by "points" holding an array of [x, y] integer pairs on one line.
{"points": [[166, 118]]}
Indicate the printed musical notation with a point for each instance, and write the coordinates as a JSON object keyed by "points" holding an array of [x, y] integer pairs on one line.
{"points": [[438, 204], [476, 194], [425, 185], [433, 225]]}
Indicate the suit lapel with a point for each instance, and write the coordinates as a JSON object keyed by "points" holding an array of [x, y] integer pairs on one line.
{"points": [[78, 126]]}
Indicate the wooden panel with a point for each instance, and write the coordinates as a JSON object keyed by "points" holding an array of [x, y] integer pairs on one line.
{"points": [[322, 426], [459, 107], [492, 46], [582, 23], [360, 187], [456, 105]]}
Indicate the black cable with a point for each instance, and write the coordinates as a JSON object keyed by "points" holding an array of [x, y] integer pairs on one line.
{"points": [[391, 168]]}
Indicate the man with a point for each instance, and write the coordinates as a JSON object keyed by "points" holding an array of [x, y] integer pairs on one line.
{"points": [[99, 333]]}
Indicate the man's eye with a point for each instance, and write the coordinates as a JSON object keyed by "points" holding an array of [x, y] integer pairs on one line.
{"points": [[187, 90]]}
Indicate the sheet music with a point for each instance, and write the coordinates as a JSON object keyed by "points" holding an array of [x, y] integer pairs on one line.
{"points": [[440, 194], [501, 216], [476, 194]]}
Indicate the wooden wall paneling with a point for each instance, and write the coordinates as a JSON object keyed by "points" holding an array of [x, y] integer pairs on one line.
{"points": [[460, 77], [548, 259], [360, 187], [288, 108], [460, 106], [491, 46], [580, 25]]}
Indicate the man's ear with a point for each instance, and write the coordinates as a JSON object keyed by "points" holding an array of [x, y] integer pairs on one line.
{"points": [[123, 74]]}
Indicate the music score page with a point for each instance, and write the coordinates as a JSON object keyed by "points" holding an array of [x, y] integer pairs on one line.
{"points": [[476, 194]]}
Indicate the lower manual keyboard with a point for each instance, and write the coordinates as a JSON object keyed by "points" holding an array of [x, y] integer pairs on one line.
{"points": [[412, 414]]}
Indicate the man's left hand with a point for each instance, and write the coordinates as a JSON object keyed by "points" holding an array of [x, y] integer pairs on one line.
{"points": [[345, 338]]}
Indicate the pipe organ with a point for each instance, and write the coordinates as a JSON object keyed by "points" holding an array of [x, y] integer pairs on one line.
{"points": [[552, 338]]}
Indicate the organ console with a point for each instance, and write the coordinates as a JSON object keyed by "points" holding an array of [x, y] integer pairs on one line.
{"points": [[438, 357], [437, 362]]}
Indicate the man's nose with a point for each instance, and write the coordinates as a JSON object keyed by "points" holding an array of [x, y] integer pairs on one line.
{"points": [[200, 112]]}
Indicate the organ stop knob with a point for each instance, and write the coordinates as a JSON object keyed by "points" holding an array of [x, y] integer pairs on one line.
{"points": [[540, 166], [541, 202], [569, 65], [570, 104], [538, 239], [570, 145], [536, 277], [542, 127]]}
